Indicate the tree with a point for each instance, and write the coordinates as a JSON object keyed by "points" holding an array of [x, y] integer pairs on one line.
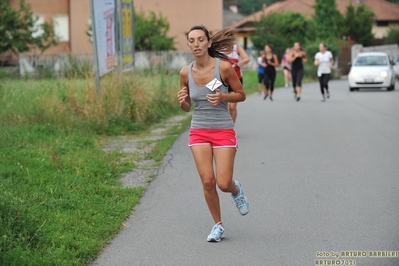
{"points": [[282, 30], [357, 24], [326, 15], [19, 31], [151, 33], [393, 36]]}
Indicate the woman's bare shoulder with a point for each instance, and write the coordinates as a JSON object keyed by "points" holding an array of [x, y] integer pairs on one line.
{"points": [[184, 71], [224, 64]]}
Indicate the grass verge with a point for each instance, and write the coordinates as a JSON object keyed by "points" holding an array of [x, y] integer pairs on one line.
{"points": [[61, 198]]}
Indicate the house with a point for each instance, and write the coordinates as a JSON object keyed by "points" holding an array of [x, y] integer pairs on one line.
{"points": [[386, 15], [71, 19]]}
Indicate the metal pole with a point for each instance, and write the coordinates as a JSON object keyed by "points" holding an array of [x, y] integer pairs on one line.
{"points": [[133, 37], [119, 30], [95, 48]]}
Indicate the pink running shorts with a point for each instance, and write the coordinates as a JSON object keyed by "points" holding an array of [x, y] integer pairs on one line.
{"points": [[217, 138]]}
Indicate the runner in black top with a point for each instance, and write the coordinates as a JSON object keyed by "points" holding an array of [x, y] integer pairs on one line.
{"points": [[298, 56], [270, 62]]}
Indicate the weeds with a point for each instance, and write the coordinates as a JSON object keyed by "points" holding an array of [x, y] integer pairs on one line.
{"points": [[128, 106], [61, 198]]}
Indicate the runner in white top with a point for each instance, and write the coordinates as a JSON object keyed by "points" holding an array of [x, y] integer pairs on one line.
{"points": [[324, 60]]}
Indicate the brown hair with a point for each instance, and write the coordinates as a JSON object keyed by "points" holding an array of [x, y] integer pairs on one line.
{"points": [[270, 45], [300, 46], [221, 41]]}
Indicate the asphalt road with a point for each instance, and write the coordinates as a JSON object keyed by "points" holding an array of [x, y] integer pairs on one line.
{"points": [[320, 177]]}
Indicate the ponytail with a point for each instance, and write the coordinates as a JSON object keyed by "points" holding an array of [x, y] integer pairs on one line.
{"points": [[221, 41]]}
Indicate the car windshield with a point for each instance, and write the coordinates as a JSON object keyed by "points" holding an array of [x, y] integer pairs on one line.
{"points": [[372, 60]]}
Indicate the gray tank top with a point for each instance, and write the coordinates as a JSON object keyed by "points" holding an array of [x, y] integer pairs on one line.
{"points": [[205, 115]]}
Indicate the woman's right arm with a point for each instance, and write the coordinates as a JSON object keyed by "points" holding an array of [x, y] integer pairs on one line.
{"points": [[183, 95], [316, 60], [291, 57]]}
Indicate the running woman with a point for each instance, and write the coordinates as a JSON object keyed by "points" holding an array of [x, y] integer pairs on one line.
{"points": [[297, 58], [206, 82], [261, 71], [286, 67], [324, 61], [235, 53], [269, 63]]}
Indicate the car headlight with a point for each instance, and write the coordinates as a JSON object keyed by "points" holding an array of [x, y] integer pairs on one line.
{"points": [[384, 74], [353, 75]]}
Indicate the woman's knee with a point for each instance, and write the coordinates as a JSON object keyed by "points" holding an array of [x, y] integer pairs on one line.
{"points": [[225, 186], [209, 183], [232, 106]]}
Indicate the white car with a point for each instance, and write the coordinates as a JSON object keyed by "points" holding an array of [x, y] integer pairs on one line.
{"points": [[396, 67], [371, 70]]}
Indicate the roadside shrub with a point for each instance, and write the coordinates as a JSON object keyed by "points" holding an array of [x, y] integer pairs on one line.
{"points": [[393, 36]]}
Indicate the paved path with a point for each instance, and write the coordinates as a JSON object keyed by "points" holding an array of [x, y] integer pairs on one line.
{"points": [[320, 177]]}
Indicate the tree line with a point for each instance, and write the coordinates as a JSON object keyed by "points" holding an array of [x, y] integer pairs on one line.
{"points": [[328, 25]]}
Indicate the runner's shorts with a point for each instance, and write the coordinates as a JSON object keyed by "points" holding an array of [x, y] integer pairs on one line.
{"points": [[217, 138]]}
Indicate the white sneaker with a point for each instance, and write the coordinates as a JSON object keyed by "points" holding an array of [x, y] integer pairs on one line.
{"points": [[217, 233], [241, 200]]}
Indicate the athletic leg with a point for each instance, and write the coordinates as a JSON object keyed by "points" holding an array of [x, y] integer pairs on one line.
{"points": [[260, 82], [321, 81], [224, 162], [326, 80], [233, 106], [286, 77], [294, 74], [203, 157], [267, 82], [272, 79], [233, 111], [299, 83]]}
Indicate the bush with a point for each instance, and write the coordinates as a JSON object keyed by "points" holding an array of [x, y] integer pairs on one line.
{"points": [[393, 36], [282, 30]]}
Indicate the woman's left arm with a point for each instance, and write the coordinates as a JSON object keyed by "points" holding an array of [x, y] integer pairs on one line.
{"points": [[245, 57], [276, 62], [304, 56]]}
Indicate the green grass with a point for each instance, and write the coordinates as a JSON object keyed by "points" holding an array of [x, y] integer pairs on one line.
{"points": [[61, 198]]}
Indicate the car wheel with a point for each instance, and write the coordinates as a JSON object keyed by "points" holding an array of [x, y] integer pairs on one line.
{"points": [[352, 89], [392, 87]]}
